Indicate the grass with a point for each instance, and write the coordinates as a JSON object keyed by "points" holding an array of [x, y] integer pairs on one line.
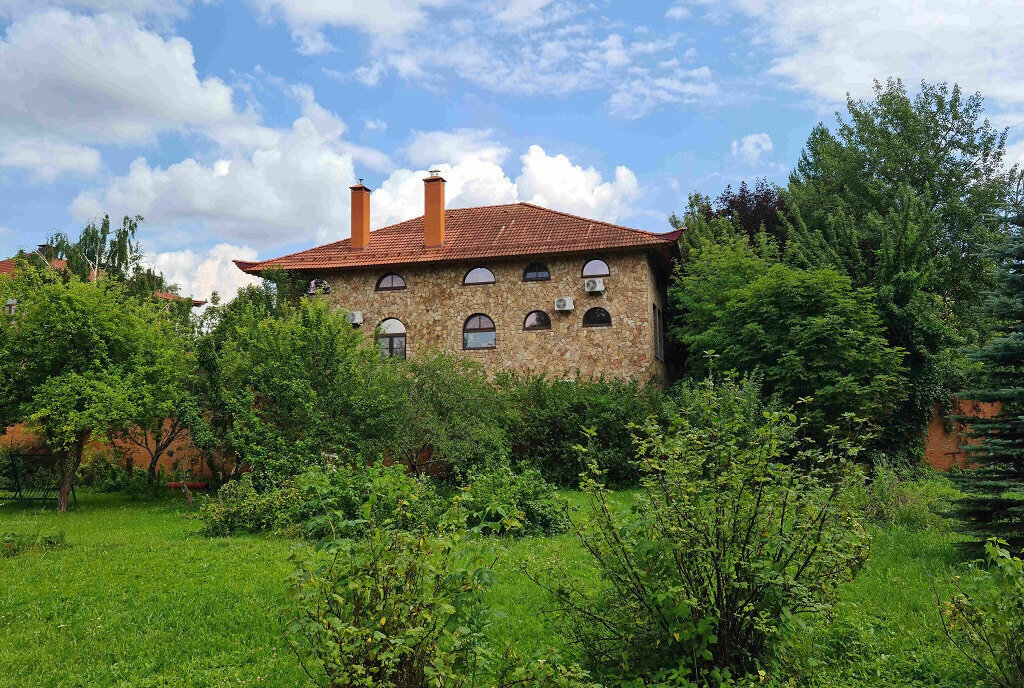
{"points": [[134, 597]]}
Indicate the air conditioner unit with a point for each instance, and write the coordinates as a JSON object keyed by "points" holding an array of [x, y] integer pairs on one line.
{"points": [[594, 285], [355, 318], [563, 304]]}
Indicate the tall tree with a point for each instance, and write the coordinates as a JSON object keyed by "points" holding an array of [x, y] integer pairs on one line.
{"points": [[896, 198], [991, 507], [751, 211]]}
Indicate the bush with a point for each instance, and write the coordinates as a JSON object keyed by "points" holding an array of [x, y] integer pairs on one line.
{"points": [[391, 610], [239, 507], [102, 474], [985, 618], [547, 418], [738, 529], [499, 501], [916, 499], [343, 501], [331, 502]]}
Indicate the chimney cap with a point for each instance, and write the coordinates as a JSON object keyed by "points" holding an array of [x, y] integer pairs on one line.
{"points": [[434, 176]]}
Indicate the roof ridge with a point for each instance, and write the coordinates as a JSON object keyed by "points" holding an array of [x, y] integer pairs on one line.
{"points": [[593, 221]]}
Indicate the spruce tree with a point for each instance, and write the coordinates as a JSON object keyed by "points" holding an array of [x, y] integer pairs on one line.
{"points": [[995, 502]]}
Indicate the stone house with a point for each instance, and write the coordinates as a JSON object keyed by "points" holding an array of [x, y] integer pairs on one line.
{"points": [[516, 287]]}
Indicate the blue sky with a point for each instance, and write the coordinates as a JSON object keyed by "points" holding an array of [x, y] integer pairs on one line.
{"points": [[235, 128]]}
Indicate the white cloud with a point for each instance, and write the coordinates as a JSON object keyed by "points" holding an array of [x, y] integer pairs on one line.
{"points": [[103, 79], [201, 274], [375, 124], [678, 12], [47, 159], [435, 147], [752, 148], [158, 9], [384, 19], [827, 48], [517, 11], [292, 191], [555, 182]]}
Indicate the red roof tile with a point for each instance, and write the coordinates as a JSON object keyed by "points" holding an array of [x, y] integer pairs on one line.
{"points": [[7, 266], [497, 231], [168, 296]]}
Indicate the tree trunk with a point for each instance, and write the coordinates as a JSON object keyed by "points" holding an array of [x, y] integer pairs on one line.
{"points": [[67, 467]]}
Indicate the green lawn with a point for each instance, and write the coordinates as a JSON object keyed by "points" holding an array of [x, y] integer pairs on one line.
{"points": [[137, 598]]}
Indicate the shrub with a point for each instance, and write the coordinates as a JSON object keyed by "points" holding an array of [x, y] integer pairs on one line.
{"points": [[13, 544], [500, 501], [342, 501], [985, 617], [737, 530], [329, 502], [451, 413], [547, 418], [917, 499], [239, 507], [391, 610]]}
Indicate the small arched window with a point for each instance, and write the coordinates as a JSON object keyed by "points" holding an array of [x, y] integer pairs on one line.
{"points": [[479, 276], [391, 338], [596, 268], [318, 287], [390, 282], [536, 272], [597, 317], [537, 320], [478, 332]]}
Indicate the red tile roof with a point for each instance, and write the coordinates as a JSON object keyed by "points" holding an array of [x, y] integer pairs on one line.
{"points": [[497, 231], [168, 296], [7, 266]]}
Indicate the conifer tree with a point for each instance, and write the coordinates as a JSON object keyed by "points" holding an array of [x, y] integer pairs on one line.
{"points": [[995, 502]]}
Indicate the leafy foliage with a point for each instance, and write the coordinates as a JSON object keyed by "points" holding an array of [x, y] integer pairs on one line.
{"points": [[498, 500], [752, 212], [898, 199], [809, 333], [392, 610], [67, 363], [738, 529], [985, 618], [547, 418]]}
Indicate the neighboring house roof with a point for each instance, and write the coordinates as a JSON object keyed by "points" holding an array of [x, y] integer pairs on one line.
{"points": [[497, 231], [7, 266], [168, 296]]}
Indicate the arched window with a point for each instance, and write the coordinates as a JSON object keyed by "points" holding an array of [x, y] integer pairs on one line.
{"points": [[537, 320], [536, 272], [597, 317], [596, 268], [479, 276], [478, 332], [318, 287], [391, 338], [390, 282]]}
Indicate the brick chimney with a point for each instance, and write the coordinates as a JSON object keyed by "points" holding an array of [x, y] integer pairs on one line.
{"points": [[360, 215], [433, 209]]}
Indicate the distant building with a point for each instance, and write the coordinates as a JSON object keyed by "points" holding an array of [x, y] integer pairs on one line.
{"points": [[516, 287]]}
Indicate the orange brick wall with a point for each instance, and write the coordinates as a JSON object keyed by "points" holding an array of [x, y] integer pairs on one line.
{"points": [[945, 448], [181, 451]]}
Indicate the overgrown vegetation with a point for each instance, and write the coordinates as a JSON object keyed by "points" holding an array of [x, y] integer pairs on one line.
{"points": [[739, 528]]}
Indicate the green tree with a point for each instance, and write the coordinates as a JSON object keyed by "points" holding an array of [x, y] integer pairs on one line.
{"points": [[66, 363], [283, 387], [991, 507], [896, 199], [809, 333], [164, 397]]}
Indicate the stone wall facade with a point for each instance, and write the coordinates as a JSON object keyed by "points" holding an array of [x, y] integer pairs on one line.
{"points": [[436, 304]]}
